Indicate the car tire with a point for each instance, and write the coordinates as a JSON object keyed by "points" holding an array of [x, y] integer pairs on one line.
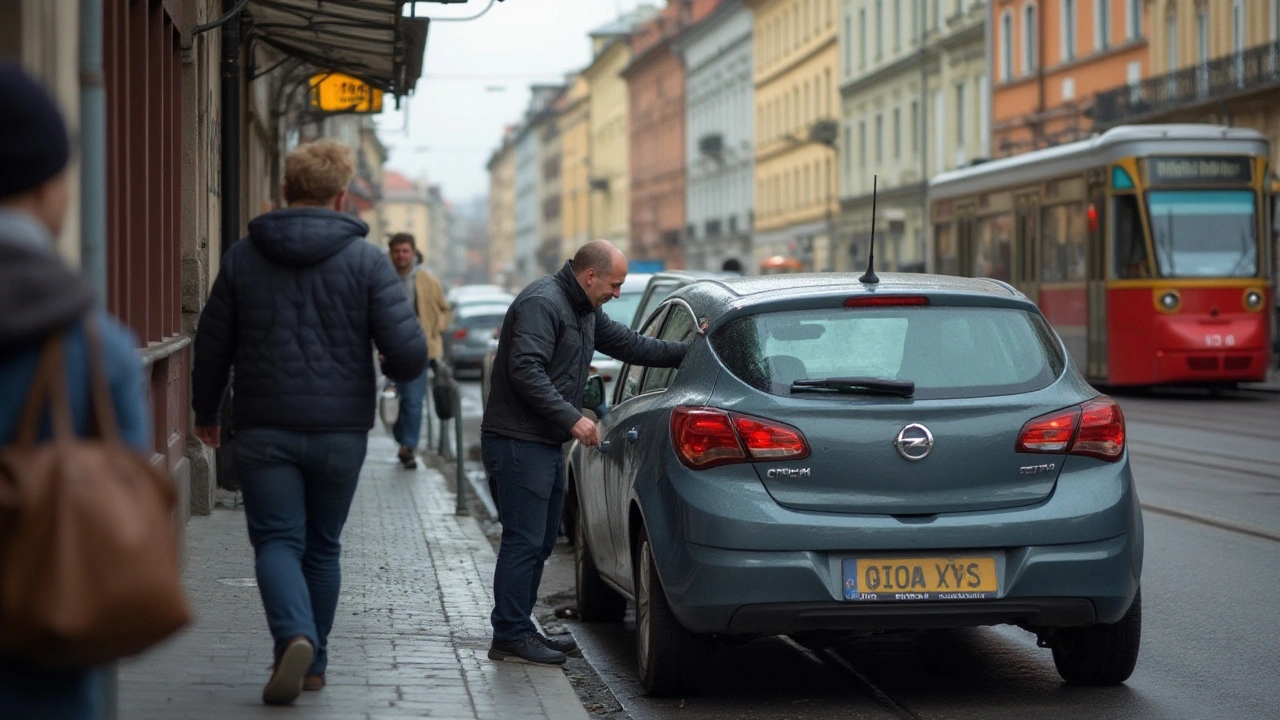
{"points": [[1102, 654], [670, 659], [597, 602]]}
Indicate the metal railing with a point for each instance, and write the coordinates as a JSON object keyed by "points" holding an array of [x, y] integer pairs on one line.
{"points": [[1246, 71]]}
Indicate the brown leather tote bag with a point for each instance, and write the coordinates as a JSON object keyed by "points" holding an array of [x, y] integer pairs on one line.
{"points": [[89, 567]]}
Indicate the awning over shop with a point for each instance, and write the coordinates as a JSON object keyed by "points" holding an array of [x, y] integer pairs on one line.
{"points": [[369, 39]]}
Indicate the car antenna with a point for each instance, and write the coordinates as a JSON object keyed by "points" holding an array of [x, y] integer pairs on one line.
{"points": [[869, 277]]}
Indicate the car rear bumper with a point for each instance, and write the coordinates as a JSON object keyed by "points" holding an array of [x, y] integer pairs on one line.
{"points": [[731, 558], [790, 618], [737, 591]]}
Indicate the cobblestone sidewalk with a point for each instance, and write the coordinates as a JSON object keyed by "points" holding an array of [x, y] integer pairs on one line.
{"points": [[411, 634]]}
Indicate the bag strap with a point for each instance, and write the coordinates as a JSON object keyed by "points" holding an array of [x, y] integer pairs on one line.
{"points": [[49, 364], [103, 416]]}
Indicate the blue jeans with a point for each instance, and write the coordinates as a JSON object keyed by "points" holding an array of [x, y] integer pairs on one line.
{"points": [[530, 482], [297, 490], [27, 691], [408, 427]]}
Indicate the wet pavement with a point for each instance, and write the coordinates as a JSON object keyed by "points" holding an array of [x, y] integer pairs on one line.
{"points": [[412, 628]]}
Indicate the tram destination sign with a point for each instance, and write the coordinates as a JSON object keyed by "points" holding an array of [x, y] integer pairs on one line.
{"points": [[1202, 170]]}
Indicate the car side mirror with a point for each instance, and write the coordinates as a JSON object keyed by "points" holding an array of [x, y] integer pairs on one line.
{"points": [[593, 393]]}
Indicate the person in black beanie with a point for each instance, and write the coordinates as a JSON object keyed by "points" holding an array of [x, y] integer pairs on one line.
{"points": [[40, 296]]}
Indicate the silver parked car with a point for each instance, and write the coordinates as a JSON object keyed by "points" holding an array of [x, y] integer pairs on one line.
{"points": [[833, 455]]}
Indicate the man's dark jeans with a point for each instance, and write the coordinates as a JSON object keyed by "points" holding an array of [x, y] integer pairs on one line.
{"points": [[297, 490], [530, 482]]}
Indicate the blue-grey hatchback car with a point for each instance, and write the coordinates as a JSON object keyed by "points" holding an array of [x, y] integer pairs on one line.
{"points": [[833, 455]]}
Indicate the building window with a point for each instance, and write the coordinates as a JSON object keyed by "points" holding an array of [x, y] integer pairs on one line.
{"points": [[915, 126], [917, 8], [1029, 50], [795, 26], [1068, 30], [960, 114], [897, 133], [1275, 20], [808, 18], [1006, 45], [848, 48], [897, 25], [1102, 24], [826, 92], [1133, 18], [879, 29], [879, 138], [862, 41], [1171, 42], [848, 149], [937, 14], [1237, 26], [1202, 36], [862, 143]]}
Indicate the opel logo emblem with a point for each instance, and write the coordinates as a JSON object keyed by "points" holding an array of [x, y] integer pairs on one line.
{"points": [[914, 442]]}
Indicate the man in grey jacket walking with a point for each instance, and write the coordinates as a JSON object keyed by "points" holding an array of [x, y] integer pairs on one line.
{"points": [[545, 348]]}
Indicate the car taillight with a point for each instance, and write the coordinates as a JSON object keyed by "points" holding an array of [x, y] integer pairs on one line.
{"points": [[460, 334], [706, 437], [1101, 430], [1094, 429]]}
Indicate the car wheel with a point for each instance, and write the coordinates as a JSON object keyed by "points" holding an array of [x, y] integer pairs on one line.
{"points": [[597, 602], [1102, 654], [671, 659]]}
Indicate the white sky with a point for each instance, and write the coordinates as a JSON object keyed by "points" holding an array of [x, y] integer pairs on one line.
{"points": [[475, 80]]}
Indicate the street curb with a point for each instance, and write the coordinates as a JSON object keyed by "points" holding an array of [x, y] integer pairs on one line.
{"points": [[551, 684]]}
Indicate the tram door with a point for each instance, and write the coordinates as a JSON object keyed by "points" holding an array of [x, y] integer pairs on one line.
{"points": [[1099, 235], [1027, 246], [965, 226]]}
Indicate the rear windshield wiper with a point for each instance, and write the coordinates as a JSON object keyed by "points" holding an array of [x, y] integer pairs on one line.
{"points": [[856, 385]]}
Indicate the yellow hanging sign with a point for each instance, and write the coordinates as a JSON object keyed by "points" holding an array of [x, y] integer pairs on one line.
{"points": [[335, 92]]}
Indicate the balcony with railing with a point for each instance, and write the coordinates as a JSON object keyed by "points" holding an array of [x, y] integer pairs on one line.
{"points": [[1224, 78]]}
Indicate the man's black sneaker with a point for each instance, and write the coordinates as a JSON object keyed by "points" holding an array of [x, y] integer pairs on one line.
{"points": [[530, 649], [407, 460], [562, 643]]}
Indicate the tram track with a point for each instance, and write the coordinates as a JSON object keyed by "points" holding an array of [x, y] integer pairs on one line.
{"points": [[832, 660]]}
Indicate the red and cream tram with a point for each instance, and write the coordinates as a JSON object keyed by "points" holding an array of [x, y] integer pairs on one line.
{"points": [[1147, 247]]}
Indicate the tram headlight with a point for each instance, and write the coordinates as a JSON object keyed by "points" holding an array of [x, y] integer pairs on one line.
{"points": [[1170, 300], [1253, 300]]}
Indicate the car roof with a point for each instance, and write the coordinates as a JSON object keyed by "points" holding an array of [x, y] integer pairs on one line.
{"points": [[635, 282], [713, 298], [483, 308]]}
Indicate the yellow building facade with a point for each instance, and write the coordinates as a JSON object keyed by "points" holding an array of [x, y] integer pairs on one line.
{"points": [[575, 144], [608, 167], [797, 100], [502, 211]]}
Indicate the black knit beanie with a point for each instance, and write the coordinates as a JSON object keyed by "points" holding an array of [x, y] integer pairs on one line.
{"points": [[33, 138]]}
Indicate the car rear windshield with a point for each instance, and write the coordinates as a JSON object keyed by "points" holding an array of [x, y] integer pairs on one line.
{"points": [[489, 316], [948, 352]]}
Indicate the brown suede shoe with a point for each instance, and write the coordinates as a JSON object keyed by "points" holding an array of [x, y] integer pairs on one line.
{"points": [[285, 684], [313, 682]]}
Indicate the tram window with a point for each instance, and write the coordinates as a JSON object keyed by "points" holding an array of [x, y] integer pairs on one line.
{"points": [[944, 240], [1204, 233], [993, 247], [1130, 258], [1064, 238]]}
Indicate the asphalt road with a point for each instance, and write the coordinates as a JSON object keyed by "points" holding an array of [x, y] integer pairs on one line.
{"points": [[1208, 472]]}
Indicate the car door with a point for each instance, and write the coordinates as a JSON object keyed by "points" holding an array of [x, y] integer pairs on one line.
{"points": [[645, 433], [610, 450]]}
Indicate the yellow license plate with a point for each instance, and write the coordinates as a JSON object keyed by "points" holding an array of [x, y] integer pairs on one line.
{"points": [[954, 578]]}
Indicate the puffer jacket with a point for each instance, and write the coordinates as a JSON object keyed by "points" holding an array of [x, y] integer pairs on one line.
{"points": [[548, 337], [294, 310]]}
